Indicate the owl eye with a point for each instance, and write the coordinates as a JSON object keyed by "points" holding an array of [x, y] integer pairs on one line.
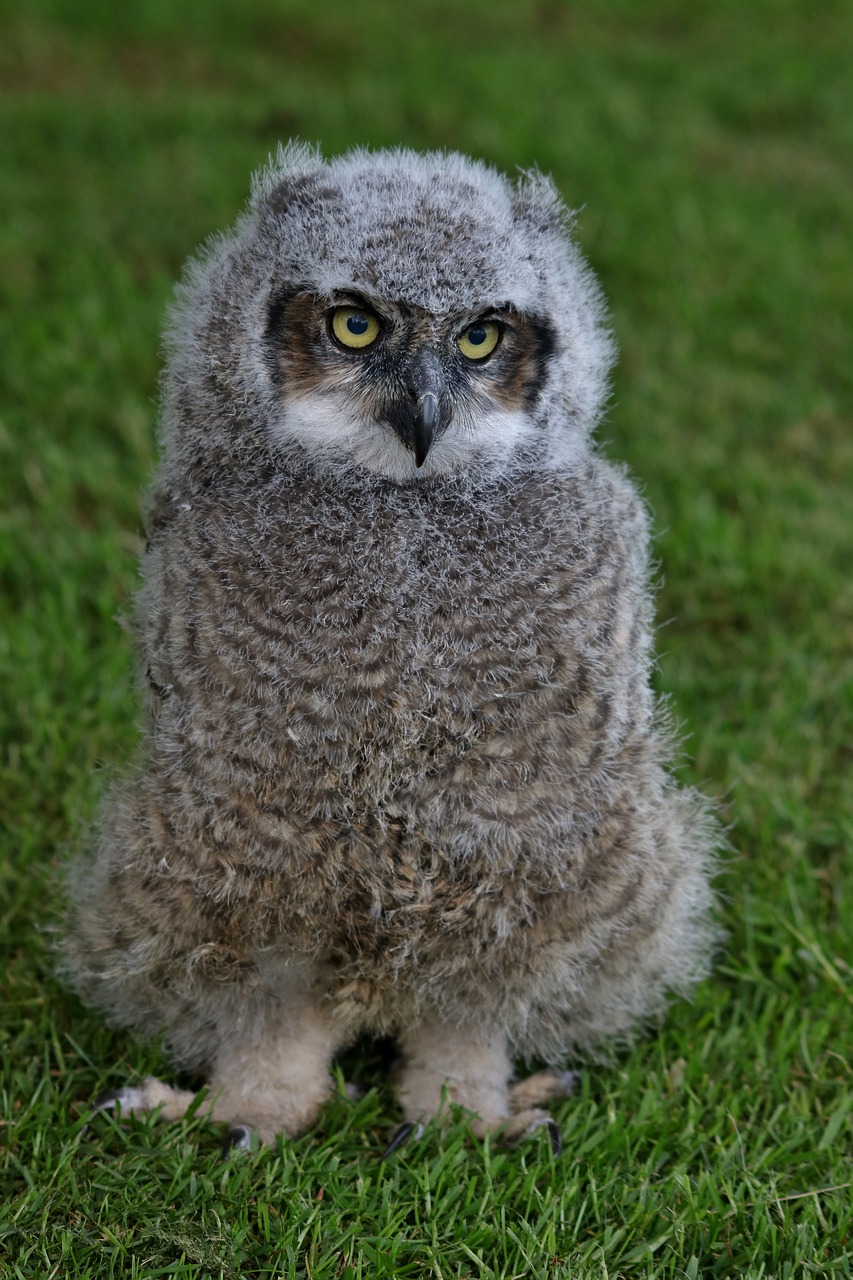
{"points": [[354, 327], [479, 340]]}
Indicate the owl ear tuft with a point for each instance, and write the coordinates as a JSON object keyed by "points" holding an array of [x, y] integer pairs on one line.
{"points": [[298, 192], [297, 175], [537, 203]]}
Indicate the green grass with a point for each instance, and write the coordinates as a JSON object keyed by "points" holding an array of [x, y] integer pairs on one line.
{"points": [[709, 145]]}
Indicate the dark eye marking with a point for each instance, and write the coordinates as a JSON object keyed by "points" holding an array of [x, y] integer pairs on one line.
{"points": [[294, 342], [525, 346]]}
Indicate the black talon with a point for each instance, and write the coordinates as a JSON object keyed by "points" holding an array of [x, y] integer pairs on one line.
{"points": [[555, 1136], [107, 1099], [400, 1138], [237, 1139], [573, 1079]]}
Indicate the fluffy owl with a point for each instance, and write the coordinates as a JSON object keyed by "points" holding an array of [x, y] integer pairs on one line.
{"points": [[403, 772]]}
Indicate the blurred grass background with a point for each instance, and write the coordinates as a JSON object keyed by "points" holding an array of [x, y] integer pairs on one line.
{"points": [[709, 147]]}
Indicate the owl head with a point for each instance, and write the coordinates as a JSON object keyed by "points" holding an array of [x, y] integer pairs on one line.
{"points": [[391, 314]]}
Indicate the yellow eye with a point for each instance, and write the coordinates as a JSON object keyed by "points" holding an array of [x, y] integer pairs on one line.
{"points": [[354, 327], [479, 340]]}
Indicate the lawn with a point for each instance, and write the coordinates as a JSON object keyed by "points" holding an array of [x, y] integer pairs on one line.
{"points": [[708, 147]]}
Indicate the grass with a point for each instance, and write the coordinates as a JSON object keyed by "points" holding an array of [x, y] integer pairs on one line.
{"points": [[709, 146]]}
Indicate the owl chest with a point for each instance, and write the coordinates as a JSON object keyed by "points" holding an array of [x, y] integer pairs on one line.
{"points": [[337, 662], [404, 644], [345, 704]]}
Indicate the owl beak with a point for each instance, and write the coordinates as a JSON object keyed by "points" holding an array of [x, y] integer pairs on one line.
{"points": [[423, 429], [426, 387]]}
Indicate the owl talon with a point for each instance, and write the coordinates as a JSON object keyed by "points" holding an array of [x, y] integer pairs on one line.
{"points": [[150, 1095], [533, 1126], [410, 1130], [106, 1101], [128, 1098], [237, 1139], [569, 1082]]}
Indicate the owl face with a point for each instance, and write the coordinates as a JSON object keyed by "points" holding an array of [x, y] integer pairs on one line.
{"points": [[395, 388], [402, 315]]}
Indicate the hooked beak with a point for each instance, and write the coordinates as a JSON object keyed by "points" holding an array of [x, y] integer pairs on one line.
{"points": [[426, 387], [424, 425]]}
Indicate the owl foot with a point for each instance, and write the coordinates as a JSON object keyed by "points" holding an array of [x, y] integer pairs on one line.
{"points": [[149, 1095], [541, 1088], [519, 1127], [524, 1125], [241, 1137], [152, 1097], [445, 1066]]}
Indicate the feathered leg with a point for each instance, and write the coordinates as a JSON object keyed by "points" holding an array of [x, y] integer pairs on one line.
{"points": [[473, 1071], [270, 1075]]}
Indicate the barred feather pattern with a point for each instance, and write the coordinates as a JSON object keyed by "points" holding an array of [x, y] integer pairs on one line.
{"points": [[408, 733]]}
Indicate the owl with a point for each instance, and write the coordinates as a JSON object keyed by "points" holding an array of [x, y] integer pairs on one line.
{"points": [[403, 773]]}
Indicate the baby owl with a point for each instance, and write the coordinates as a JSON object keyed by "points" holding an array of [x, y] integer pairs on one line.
{"points": [[403, 772]]}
